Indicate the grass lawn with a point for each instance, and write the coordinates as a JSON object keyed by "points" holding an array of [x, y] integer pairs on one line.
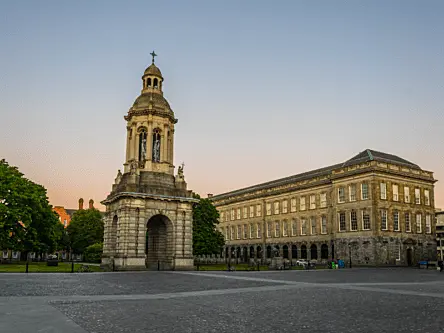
{"points": [[40, 267]]}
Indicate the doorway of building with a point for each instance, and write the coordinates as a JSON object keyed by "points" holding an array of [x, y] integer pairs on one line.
{"points": [[157, 247], [409, 257]]}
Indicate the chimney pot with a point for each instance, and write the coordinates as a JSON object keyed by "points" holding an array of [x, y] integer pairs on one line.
{"points": [[80, 204], [91, 204]]}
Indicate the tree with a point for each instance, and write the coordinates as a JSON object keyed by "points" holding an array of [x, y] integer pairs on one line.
{"points": [[93, 253], [27, 222], [85, 229], [206, 238]]}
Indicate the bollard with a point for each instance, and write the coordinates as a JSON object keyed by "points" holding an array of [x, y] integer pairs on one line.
{"points": [[258, 267], [197, 266], [158, 265], [27, 264], [72, 266], [114, 266]]}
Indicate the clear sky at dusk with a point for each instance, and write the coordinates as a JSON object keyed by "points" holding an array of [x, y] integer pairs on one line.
{"points": [[262, 89]]}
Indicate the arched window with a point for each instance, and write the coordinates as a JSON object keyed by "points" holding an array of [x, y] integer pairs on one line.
{"points": [[259, 252], [142, 144], [313, 251], [156, 83], [324, 251], [251, 251], [268, 251], [156, 145], [149, 82]]}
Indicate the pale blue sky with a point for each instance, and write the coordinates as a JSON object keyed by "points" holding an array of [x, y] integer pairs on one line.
{"points": [[262, 89]]}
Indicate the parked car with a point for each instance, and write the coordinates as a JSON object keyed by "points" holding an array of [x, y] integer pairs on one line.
{"points": [[301, 262]]}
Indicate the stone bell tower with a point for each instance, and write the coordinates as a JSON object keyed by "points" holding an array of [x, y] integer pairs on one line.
{"points": [[148, 222]]}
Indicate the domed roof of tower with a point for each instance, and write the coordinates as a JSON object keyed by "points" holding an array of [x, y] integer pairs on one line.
{"points": [[153, 70]]}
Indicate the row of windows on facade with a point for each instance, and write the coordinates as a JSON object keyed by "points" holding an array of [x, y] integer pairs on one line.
{"points": [[279, 206], [397, 197], [252, 230]]}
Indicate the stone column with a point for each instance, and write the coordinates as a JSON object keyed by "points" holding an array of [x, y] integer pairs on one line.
{"points": [[164, 157], [171, 157], [134, 144], [128, 143]]}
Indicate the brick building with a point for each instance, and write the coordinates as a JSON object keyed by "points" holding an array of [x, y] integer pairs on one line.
{"points": [[376, 208], [65, 215]]}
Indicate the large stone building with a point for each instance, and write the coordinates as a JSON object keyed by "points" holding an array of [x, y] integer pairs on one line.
{"points": [[376, 208], [148, 222], [440, 234]]}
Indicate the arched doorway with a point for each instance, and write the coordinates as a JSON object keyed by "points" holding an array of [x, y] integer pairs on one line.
{"points": [[245, 254], [259, 252], [303, 252], [324, 251], [158, 247], [285, 251], [313, 251], [294, 252], [409, 257], [268, 251], [252, 252]]}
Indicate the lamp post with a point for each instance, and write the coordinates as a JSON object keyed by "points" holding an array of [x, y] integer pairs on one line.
{"points": [[350, 254]]}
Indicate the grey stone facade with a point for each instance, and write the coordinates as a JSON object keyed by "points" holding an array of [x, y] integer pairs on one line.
{"points": [[376, 207], [148, 220]]}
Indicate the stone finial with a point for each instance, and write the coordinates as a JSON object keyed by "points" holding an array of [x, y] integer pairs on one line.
{"points": [[118, 177]]}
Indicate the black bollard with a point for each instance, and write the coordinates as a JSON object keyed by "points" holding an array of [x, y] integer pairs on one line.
{"points": [[72, 266], [27, 264], [258, 267], [158, 265]]}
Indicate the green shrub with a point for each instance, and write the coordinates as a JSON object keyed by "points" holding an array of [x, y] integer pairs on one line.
{"points": [[93, 253]]}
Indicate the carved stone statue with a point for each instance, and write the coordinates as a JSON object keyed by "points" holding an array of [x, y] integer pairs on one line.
{"points": [[133, 167], [143, 148], [156, 151], [119, 177]]}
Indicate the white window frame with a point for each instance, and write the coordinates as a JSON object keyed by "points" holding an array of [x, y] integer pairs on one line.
{"points": [[418, 223], [312, 201], [251, 230], [428, 224], [351, 220], [245, 231], [285, 228], [268, 208], [251, 211], [238, 214], [342, 223], [302, 203], [396, 226], [341, 194], [293, 205], [408, 222], [269, 226], [427, 197], [365, 214], [364, 192], [352, 192], [276, 207], [294, 227], [245, 212], [323, 200], [417, 196], [258, 230], [232, 214], [323, 224], [258, 210], [395, 189], [277, 229], [384, 220], [285, 206], [232, 232], [312, 225], [303, 227], [238, 231], [383, 190], [406, 194]]}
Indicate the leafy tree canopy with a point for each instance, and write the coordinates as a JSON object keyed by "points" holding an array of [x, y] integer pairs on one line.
{"points": [[85, 229], [27, 222], [206, 238]]}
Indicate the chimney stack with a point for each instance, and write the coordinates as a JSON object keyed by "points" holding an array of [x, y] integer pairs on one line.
{"points": [[209, 195], [80, 204], [91, 203]]}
